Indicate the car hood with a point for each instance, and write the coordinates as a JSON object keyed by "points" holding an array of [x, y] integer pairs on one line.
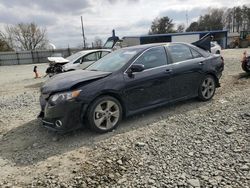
{"points": [[57, 60], [83, 65], [64, 81]]}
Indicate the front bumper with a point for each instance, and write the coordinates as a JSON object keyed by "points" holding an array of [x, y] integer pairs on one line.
{"points": [[63, 117]]}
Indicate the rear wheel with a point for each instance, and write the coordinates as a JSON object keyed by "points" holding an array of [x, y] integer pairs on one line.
{"points": [[207, 88], [104, 114]]}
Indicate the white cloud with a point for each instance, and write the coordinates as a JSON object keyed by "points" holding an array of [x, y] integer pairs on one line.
{"points": [[130, 17]]}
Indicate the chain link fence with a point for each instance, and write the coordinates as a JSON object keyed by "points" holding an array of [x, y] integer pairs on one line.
{"points": [[33, 57]]}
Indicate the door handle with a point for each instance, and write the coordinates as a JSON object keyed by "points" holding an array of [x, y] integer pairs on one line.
{"points": [[201, 63], [168, 71]]}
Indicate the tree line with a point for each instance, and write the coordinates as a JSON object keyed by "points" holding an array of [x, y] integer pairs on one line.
{"points": [[234, 19]]}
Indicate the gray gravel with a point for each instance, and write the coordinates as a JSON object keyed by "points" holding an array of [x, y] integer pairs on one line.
{"points": [[189, 144], [190, 149]]}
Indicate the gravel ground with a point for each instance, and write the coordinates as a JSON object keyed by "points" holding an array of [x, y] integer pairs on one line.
{"points": [[188, 144]]}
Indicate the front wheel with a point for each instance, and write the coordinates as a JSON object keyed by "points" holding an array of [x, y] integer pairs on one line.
{"points": [[207, 88], [245, 66], [104, 114]]}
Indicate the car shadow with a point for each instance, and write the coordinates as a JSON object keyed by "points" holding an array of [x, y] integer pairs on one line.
{"points": [[31, 143], [244, 75], [36, 85]]}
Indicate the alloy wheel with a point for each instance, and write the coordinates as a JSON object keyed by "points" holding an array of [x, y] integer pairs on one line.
{"points": [[106, 115], [208, 88]]}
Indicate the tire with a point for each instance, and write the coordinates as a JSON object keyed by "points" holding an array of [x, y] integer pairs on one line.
{"points": [[245, 67], [70, 70], [104, 114], [207, 88]]}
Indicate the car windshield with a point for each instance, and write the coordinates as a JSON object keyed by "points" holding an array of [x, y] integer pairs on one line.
{"points": [[113, 61], [109, 44]]}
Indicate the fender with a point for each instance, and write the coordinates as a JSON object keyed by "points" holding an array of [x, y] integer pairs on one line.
{"points": [[245, 65]]}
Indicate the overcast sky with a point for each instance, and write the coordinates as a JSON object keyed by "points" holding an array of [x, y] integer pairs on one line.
{"points": [[127, 17]]}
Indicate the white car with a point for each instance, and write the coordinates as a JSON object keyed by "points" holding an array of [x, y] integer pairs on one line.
{"points": [[83, 59], [215, 48], [79, 60]]}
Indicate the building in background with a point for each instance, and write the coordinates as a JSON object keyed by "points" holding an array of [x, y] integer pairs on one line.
{"points": [[189, 37]]}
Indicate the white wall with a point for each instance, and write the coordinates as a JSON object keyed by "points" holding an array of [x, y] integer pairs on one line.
{"points": [[131, 41], [186, 38]]}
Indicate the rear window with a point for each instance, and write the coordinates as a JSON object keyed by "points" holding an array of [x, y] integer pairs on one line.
{"points": [[180, 52], [201, 51], [195, 53]]}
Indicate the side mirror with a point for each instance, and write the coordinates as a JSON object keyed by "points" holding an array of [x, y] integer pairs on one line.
{"points": [[135, 68]]}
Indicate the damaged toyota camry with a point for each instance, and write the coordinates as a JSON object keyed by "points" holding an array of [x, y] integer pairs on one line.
{"points": [[128, 81]]}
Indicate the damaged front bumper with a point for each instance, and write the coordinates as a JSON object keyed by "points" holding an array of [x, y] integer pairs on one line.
{"points": [[63, 117]]}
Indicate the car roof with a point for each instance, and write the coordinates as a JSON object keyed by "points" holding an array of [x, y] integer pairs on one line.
{"points": [[95, 50], [146, 46]]}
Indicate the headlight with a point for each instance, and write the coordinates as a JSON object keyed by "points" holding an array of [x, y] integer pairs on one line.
{"points": [[66, 96], [64, 66]]}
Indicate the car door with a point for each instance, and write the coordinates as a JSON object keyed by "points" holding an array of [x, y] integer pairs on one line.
{"points": [[74, 64], [186, 69], [150, 86]]}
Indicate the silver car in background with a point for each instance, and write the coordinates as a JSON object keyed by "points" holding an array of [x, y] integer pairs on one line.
{"points": [[83, 59], [79, 60], [215, 47]]}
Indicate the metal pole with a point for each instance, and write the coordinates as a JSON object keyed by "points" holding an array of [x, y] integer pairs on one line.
{"points": [[83, 35], [17, 56], [37, 56], [32, 57]]}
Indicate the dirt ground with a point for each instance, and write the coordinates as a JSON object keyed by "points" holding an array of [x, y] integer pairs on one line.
{"points": [[32, 156]]}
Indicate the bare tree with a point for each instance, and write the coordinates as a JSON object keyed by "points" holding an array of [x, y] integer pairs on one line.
{"points": [[4, 46], [97, 42], [228, 19], [25, 36], [180, 28], [238, 18]]}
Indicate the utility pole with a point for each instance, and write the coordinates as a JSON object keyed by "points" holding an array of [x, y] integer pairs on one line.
{"points": [[187, 19], [83, 35]]}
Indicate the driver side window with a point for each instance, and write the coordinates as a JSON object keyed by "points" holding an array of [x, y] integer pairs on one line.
{"points": [[90, 57], [152, 58]]}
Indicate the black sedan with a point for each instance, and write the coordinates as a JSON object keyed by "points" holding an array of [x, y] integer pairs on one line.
{"points": [[128, 81]]}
